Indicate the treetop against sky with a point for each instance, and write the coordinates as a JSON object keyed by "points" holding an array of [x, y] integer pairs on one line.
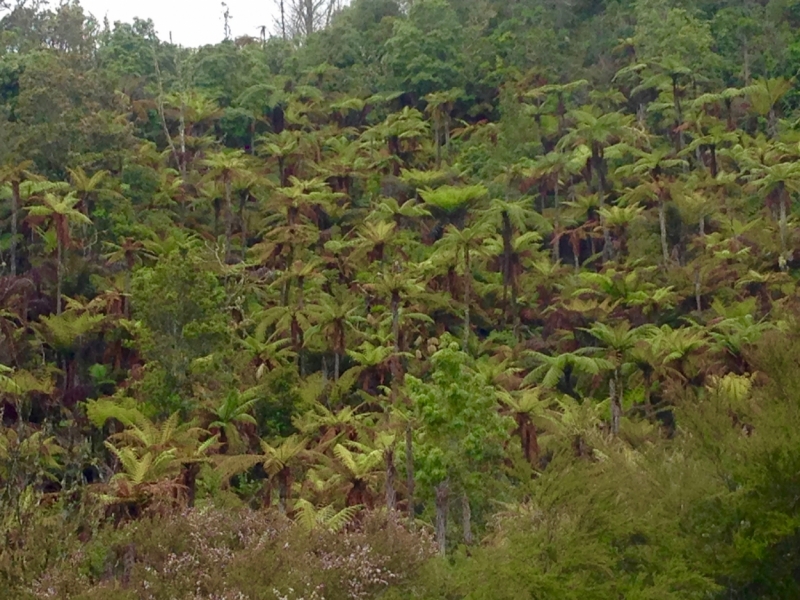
{"points": [[191, 22]]}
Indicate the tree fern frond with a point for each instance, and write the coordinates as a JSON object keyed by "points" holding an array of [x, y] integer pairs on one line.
{"points": [[341, 519]]}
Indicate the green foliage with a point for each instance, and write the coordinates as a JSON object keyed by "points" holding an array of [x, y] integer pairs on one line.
{"points": [[449, 199], [179, 308], [578, 535], [219, 553], [462, 433], [423, 51], [310, 518], [256, 255]]}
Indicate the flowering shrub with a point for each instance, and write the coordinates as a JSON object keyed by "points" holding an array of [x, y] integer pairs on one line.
{"points": [[210, 554]]}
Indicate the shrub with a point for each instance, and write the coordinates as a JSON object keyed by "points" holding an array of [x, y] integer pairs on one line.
{"points": [[236, 555]]}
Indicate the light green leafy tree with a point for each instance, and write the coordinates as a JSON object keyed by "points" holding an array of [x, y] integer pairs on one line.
{"points": [[460, 433]]}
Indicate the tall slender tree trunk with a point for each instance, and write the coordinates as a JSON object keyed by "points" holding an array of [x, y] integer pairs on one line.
{"points": [[507, 252], [467, 295], [662, 223], [698, 296], [309, 15], [15, 202], [542, 196], [301, 355], [228, 220], [466, 519], [182, 138], [126, 301], [410, 473], [678, 115], [287, 287], [396, 375], [442, 501], [557, 223], [160, 105], [714, 165], [336, 361], [87, 208], [332, 4]]}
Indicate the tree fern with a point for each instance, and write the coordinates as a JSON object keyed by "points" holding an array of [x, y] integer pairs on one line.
{"points": [[311, 518]]}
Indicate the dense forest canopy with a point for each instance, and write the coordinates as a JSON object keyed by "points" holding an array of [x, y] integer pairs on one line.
{"points": [[412, 299]]}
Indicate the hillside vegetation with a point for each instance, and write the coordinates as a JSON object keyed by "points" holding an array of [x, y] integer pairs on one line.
{"points": [[435, 299]]}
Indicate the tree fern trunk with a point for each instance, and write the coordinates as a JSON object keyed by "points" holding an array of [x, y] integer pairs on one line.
{"points": [[60, 273], [773, 123], [783, 224], [253, 138], [283, 493], [516, 322], [391, 472], [189, 480], [557, 238], [447, 133], [616, 406], [647, 376]]}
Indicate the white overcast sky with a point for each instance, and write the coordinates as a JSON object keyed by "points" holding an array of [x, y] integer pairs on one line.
{"points": [[192, 22]]}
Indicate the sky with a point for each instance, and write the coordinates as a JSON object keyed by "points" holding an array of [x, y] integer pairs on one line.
{"points": [[192, 22]]}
